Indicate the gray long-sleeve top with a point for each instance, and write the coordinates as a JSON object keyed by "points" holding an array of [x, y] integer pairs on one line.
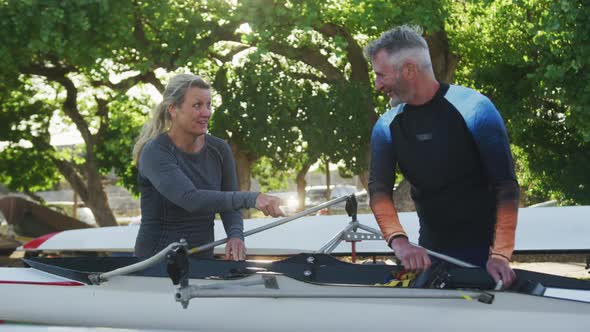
{"points": [[181, 192]]}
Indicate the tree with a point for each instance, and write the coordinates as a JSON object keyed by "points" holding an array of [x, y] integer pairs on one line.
{"points": [[78, 52], [532, 59], [325, 38], [21, 167], [69, 57], [258, 114], [54, 46]]}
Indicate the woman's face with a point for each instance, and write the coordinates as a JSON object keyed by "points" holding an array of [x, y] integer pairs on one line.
{"points": [[192, 117]]}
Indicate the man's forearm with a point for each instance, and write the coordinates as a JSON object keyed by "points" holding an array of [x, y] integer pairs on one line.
{"points": [[386, 215], [505, 231]]}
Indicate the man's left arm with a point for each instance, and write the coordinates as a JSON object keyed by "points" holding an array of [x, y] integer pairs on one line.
{"points": [[494, 147], [506, 217]]}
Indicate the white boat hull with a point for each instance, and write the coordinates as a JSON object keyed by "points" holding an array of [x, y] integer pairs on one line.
{"points": [[135, 302], [537, 231]]}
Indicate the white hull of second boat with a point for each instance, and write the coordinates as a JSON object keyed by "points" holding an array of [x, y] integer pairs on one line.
{"points": [[148, 303], [536, 231]]}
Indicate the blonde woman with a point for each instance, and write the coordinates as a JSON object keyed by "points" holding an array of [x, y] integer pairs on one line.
{"points": [[186, 176]]}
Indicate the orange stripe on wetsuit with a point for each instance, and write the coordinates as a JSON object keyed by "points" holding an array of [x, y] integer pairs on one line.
{"points": [[506, 216], [386, 216]]}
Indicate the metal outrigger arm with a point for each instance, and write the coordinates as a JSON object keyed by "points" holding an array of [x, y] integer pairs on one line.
{"points": [[350, 232]]}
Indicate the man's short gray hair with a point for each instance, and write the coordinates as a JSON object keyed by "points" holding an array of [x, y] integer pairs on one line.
{"points": [[401, 42]]}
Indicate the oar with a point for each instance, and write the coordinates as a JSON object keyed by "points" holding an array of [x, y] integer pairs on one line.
{"points": [[438, 255], [309, 211], [444, 257], [97, 278], [272, 224]]}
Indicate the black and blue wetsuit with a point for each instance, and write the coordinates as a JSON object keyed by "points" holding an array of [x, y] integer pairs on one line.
{"points": [[454, 151]]}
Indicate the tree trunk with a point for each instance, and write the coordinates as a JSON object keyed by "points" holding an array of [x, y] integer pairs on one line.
{"points": [[364, 179], [364, 175], [243, 165], [444, 62], [99, 205], [328, 191], [91, 192], [361, 72], [97, 199], [301, 184]]}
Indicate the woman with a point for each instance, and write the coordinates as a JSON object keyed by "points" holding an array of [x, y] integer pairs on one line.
{"points": [[186, 176]]}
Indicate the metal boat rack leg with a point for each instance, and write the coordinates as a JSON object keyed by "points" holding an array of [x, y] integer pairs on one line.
{"points": [[350, 232]]}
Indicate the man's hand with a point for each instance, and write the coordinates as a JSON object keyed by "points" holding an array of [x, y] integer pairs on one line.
{"points": [[499, 268], [269, 205], [235, 249], [413, 258]]}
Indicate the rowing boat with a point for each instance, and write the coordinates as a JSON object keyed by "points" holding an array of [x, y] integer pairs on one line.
{"points": [[537, 232], [308, 291], [304, 292]]}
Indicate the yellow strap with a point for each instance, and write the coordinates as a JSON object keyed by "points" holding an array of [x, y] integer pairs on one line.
{"points": [[465, 296], [404, 279], [391, 283]]}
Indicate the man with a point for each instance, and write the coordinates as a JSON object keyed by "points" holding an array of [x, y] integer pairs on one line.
{"points": [[451, 144]]}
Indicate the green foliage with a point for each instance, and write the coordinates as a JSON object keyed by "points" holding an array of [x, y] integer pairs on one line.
{"points": [[294, 89], [319, 45], [533, 59], [75, 32], [259, 110], [24, 120], [270, 178], [28, 170], [335, 126], [114, 152], [271, 113]]}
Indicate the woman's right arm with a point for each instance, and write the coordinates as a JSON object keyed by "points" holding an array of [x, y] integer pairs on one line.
{"points": [[160, 167]]}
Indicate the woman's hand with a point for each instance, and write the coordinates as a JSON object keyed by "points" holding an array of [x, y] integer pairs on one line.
{"points": [[235, 249], [269, 205]]}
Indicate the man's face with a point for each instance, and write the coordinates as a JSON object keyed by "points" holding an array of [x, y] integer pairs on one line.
{"points": [[387, 78]]}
